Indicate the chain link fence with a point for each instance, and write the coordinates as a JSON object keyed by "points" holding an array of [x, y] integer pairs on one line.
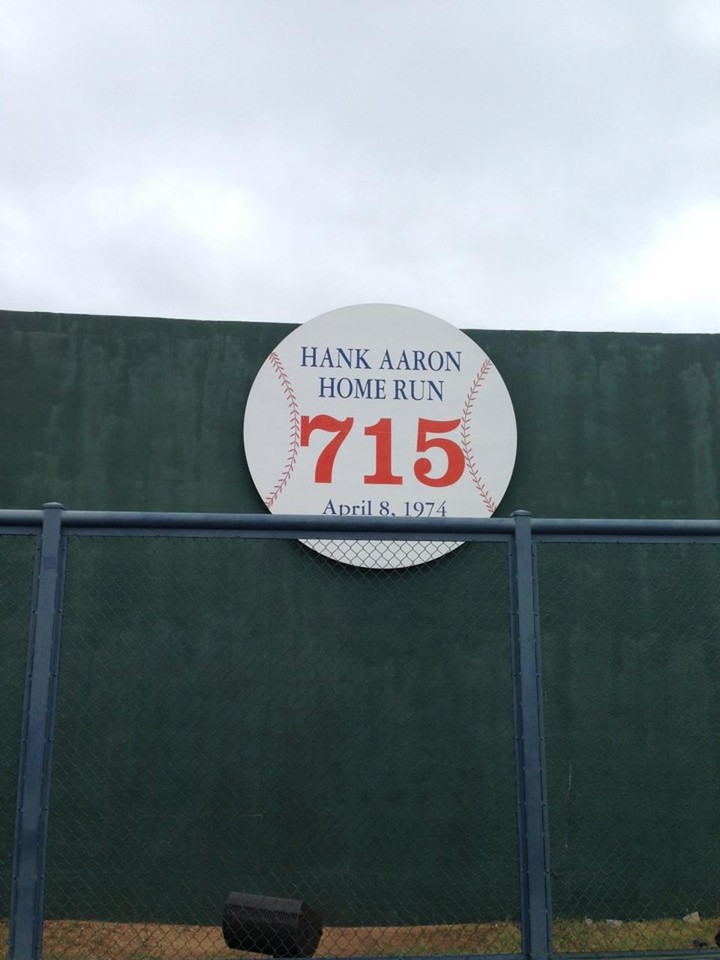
{"points": [[17, 558], [631, 653], [244, 713], [343, 738], [17, 555]]}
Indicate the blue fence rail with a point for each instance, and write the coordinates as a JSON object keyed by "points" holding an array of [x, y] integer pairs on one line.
{"points": [[53, 526]]}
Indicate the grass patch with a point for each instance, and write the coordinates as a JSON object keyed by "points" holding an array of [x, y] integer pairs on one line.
{"points": [[582, 936]]}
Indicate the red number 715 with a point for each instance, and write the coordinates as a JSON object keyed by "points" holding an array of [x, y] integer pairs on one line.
{"points": [[382, 432]]}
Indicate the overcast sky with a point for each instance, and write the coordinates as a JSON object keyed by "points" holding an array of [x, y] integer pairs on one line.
{"points": [[529, 164]]}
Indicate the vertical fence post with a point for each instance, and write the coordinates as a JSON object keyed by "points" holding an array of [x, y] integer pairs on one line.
{"points": [[28, 882], [534, 848]]}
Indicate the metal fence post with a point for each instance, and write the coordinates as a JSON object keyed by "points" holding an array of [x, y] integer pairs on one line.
{"points": [[534, 849], [28, 882]]}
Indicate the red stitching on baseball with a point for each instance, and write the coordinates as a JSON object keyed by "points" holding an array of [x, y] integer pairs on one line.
{"points": [[294, 430], [465, 436]]}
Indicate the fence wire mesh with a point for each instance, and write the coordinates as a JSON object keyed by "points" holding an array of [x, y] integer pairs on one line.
{"points": [[16, 578], [232, 719], [632, 708]]}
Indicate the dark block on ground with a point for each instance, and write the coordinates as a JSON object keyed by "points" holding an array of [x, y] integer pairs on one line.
{"points": [[280, 928]]}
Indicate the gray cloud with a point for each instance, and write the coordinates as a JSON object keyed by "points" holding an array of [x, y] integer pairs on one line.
{"points": [[497, 162]]}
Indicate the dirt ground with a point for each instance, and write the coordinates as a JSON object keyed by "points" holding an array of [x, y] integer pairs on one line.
{"points": [[90, 940], [73, 940]]}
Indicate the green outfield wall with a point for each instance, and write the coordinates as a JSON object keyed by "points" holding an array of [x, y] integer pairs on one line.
{"points": [[270, 649], [142, 414]]}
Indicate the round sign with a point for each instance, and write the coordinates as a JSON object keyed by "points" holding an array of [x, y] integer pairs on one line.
{"points": [[378, 410]]}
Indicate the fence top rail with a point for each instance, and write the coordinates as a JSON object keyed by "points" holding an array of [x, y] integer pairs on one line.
{"points": [[544, 528], [20, 521], [289, 525], [105, 523]]}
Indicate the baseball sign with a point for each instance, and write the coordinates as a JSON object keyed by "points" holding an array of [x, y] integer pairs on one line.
{"points": [[377, 410]]}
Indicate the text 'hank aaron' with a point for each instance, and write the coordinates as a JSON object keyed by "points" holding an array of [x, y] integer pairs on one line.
{"points": [[356, 358]]}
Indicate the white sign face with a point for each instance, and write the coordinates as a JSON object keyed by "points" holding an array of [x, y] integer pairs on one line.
{"points": [[378, 410]]}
